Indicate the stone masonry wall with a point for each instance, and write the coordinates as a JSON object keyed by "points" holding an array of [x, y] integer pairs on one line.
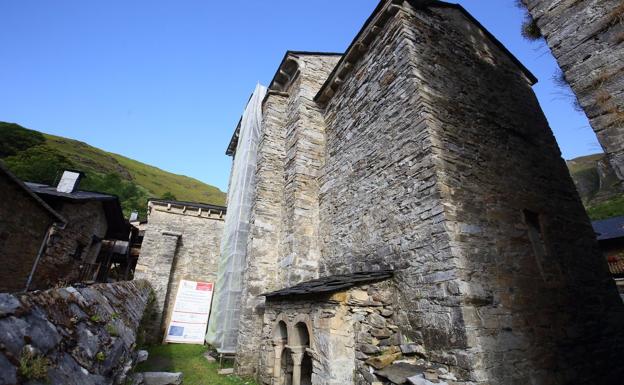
{"points": [[23, 225], [179, 243], [283, 246], [67, 249], [70, 336], [531, 304], [380, 205], [587, 39]]}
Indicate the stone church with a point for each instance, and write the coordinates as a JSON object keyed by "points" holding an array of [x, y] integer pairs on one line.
{"points": [[413, 220]]}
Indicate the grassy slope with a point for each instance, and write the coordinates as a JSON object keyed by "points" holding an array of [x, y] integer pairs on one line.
{"points": [[599, 191], [189, 360], [154, 180]]}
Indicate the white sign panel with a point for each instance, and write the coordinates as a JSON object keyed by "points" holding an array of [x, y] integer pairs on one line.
{"points": [[190, 313]]}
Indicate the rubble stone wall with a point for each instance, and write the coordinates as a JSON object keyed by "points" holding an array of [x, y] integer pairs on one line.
{"points": [[587, 39], [179, 243], [356, 338], [71, 336], [23, 225]]}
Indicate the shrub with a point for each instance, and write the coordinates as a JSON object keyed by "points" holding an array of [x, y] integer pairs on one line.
{"points": [[530, 30]]}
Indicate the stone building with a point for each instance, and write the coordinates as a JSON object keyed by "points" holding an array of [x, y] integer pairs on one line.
{"points": [[181, 241], [56, 233], [587, 39], [420, 154], [25, 223], [610, 236], [73, 253]]}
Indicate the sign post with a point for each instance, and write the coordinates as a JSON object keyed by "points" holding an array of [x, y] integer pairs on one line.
{"points": [[191, 310]]}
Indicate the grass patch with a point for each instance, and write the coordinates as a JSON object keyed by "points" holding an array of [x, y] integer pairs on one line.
{"points": [[189, 360], [33, 366], [611, 208]]}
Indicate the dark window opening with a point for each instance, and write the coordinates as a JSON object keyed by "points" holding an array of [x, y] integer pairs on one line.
{"points": [[548, 265], [536, 233], [78, 252]]}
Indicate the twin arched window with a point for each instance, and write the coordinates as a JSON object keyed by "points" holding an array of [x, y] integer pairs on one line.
{"points": [[293, 362]]}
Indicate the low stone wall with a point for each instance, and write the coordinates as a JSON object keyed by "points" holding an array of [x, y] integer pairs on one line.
{"points": [[71, 336]]}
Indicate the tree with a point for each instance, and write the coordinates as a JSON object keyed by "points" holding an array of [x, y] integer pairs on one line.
{"points": [[38, 164], [15, 138]]}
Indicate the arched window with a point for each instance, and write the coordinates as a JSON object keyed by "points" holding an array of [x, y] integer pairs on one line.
{"points": [[300, 337], [282, 366], [302, 362]]}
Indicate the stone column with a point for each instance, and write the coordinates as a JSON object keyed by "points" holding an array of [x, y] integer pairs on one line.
{"points": [[278, 348], [297, 357]]}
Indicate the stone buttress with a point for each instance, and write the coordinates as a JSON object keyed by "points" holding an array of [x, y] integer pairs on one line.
{"points": [[283, 245]]}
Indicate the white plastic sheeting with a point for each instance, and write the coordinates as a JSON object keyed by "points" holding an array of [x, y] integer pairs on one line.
{"points": [[223, 325]]}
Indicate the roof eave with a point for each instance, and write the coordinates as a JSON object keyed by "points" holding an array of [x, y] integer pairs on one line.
{"points": [[384, 11]]}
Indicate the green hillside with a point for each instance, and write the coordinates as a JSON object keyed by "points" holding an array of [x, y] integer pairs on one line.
{"points": [[39, 157], [598, 186]]}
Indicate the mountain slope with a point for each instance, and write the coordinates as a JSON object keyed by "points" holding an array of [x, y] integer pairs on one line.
{"points": [[39, 157], [599, 188]]}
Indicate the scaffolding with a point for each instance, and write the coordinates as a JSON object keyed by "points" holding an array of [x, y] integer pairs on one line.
{"points": [[223, 326]]}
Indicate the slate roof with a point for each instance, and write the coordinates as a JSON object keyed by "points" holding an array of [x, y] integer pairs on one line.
{"points": [[331, 284], [609, 228], [77, 195]]}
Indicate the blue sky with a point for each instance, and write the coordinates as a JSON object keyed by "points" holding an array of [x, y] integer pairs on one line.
{"points": [[165, 81]]}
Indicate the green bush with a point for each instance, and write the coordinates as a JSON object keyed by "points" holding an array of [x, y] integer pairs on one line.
{"points": [[131, 196]]}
